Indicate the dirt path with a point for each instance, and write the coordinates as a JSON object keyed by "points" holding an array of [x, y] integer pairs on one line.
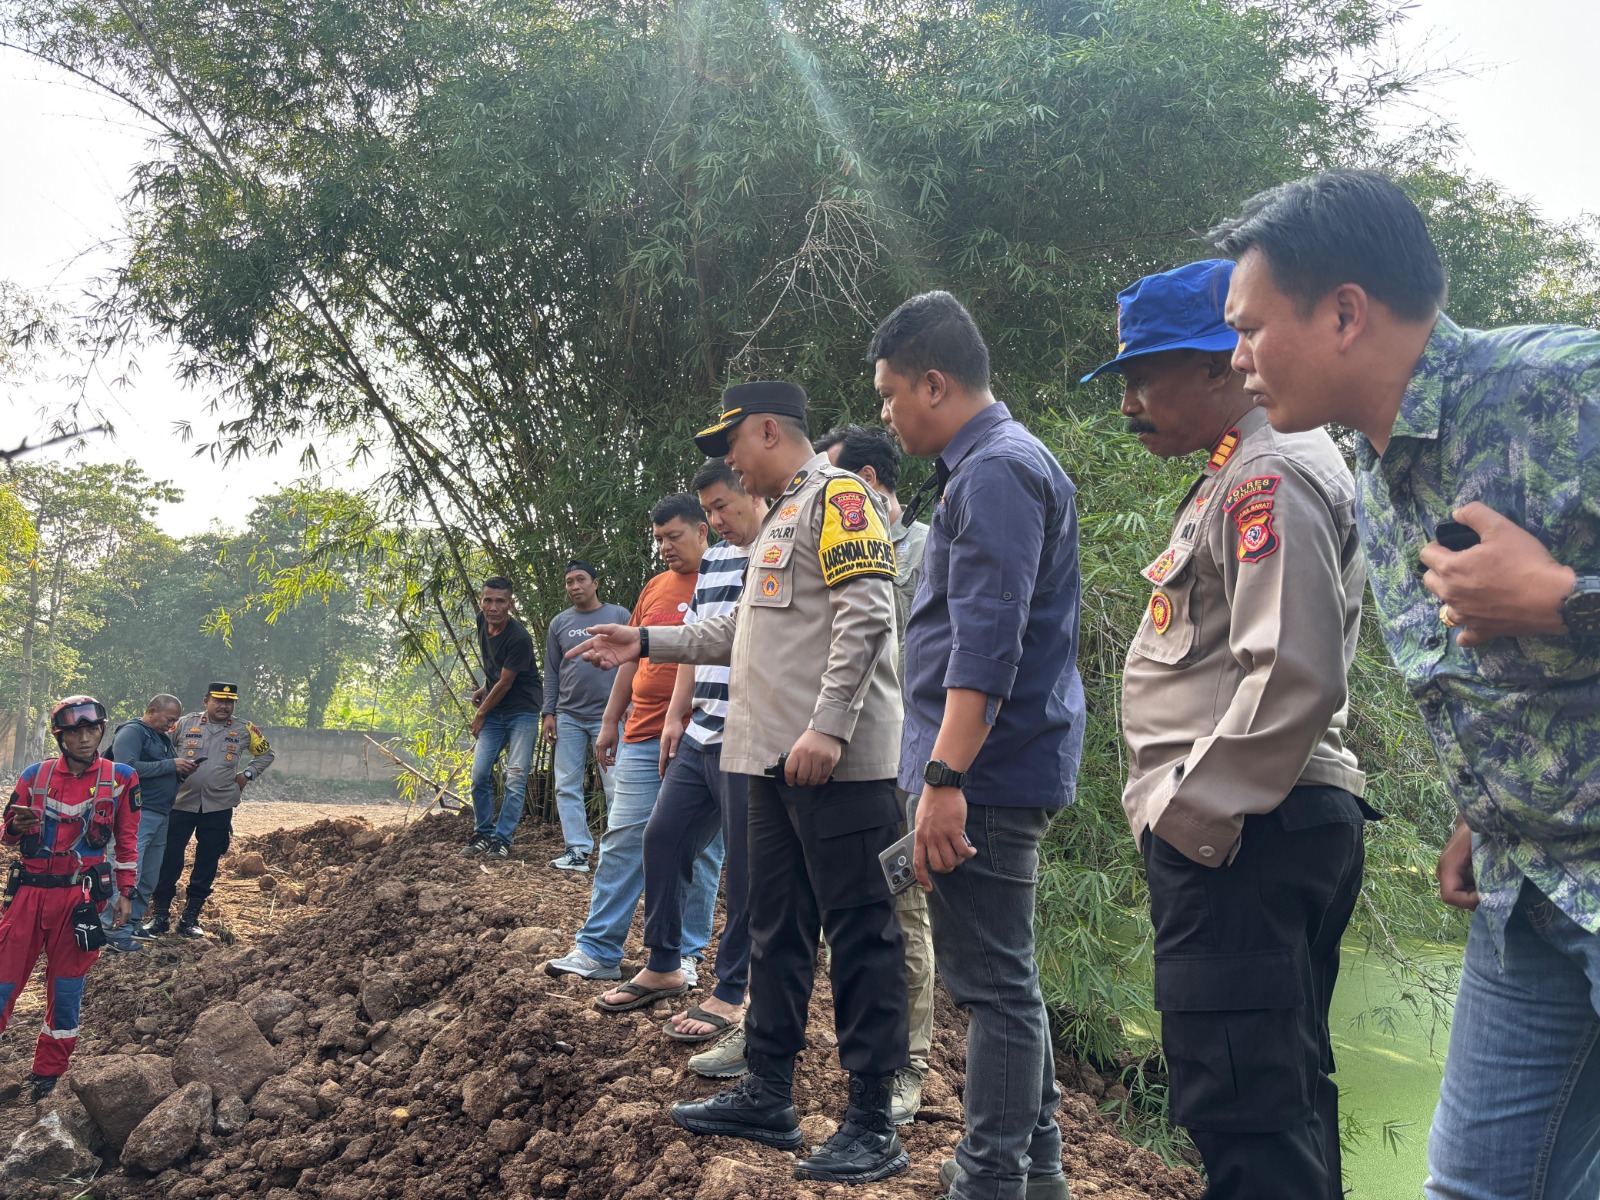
{"points": [[250, 820], [442, 1064]]}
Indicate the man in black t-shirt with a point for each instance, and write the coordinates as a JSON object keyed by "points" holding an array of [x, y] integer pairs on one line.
{"points": [[507, 719]]}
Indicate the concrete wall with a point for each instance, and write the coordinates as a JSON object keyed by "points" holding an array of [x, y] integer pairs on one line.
{"points": [[342, 755]]}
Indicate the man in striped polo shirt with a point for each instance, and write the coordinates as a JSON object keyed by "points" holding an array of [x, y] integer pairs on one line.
{"points": [[697, 800]]}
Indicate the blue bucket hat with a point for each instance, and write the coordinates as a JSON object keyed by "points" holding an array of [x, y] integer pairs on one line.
{"points": [[1180, 309]]}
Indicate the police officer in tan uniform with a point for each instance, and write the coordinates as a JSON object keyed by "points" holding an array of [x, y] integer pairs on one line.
{"points": [[814, 719], [232, 754], [1241, 790]]}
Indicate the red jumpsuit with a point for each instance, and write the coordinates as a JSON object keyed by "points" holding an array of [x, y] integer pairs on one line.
{"points": [[39, 917]]}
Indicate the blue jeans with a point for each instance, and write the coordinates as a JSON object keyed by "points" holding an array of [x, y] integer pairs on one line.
{"points": [[574, 738], [152, 847], [1519, 1109], [514, 733], [619, 879], [983, 944]]}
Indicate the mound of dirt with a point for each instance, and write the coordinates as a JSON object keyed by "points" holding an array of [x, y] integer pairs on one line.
{"points": [[421, 1053]]}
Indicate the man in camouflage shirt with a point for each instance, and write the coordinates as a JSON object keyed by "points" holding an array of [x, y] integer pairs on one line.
{"points": [[1478, 485]]}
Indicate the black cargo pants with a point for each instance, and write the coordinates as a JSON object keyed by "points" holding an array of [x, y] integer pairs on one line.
{"points": [[814, 869], [212, 832], [1246, 956]]}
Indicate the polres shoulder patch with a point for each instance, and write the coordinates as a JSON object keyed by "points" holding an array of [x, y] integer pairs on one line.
{"points": [[854, 541], [1261, 485]]}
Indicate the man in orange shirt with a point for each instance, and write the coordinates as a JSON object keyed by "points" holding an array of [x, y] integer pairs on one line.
{"points": [[680, 533]]}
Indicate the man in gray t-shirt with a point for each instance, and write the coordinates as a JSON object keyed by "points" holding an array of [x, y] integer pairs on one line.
{"points": [[575, 695]]}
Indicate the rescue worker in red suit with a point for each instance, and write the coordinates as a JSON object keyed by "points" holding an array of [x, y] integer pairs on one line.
{"points": [[61, 816]]}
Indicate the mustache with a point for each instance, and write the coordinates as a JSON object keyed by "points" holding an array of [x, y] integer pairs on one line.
{"points": [[1141, 425]]}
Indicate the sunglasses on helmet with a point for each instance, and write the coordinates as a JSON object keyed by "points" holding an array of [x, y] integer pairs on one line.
{"points": [[74, 715]]}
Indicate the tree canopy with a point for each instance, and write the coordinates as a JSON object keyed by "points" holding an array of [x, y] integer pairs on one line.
{"points": [[520, 247]]}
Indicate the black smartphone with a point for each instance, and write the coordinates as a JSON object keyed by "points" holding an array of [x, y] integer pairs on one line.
{"points": [[775, 771], [1453, 535], [198, 761]]}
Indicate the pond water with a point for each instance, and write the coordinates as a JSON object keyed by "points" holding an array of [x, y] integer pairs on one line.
{"points": [[1387, 1073]]}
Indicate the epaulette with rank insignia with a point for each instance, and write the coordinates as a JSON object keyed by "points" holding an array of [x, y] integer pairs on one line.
{"points": [[1224, 450]]}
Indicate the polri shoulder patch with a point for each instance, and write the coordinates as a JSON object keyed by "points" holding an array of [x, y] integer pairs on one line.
{"points": [[854, 541], [258, 741]]}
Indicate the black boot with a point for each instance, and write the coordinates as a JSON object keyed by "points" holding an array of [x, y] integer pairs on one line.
{"points": [[42, 1086], [757, 1107], [866, 1148], [189, 923], [159, 921]]}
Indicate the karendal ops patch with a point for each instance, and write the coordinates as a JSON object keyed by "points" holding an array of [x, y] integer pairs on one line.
{"points": [[854, 541]]}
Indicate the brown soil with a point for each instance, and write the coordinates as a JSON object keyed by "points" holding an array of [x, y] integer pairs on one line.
{"points": [[494, 1080]]}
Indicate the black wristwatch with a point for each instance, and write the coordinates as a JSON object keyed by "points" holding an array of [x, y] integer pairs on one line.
{"points": [[938, 774], [644, 642], [1580, 611]]}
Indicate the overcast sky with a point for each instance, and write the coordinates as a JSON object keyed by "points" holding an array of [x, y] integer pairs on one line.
{"points": [[68, 157]]}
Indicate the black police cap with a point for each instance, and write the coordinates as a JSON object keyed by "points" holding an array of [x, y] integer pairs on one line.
{"points": [[747, 400]]}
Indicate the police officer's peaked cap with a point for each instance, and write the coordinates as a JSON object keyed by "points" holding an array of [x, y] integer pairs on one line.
{"points": [[747, 400], [224, 691]]}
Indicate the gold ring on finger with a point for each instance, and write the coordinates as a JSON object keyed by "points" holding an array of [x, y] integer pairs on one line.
{"points": [[1446, 616]]}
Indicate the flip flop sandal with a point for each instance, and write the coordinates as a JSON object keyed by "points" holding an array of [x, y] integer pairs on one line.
{"points": [[720, 1026], [642, 997]]}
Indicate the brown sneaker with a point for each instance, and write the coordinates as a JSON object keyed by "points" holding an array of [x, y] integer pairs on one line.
{"points": [[907, 1101], [725, 1060]]}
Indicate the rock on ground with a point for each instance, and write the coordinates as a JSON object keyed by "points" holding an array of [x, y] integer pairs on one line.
{"points": [[380, 996], [367, 839], [227, 1051], [727, 1179], [232, 1115], [485, 1093], [47, 1149], [119, 1090], [270, 1007], [74, 1116], [170, 1131], [536, 942]]}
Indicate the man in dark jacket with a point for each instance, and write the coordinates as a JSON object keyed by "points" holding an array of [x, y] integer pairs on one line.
{"points": [[144, 745]]}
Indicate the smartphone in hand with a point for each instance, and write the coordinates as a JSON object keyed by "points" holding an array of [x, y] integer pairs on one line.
{"points": [[1453, 535], [897, 865]]}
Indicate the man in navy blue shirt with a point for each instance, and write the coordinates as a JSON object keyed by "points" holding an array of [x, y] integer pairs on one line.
{"points": [[993, 724]]}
